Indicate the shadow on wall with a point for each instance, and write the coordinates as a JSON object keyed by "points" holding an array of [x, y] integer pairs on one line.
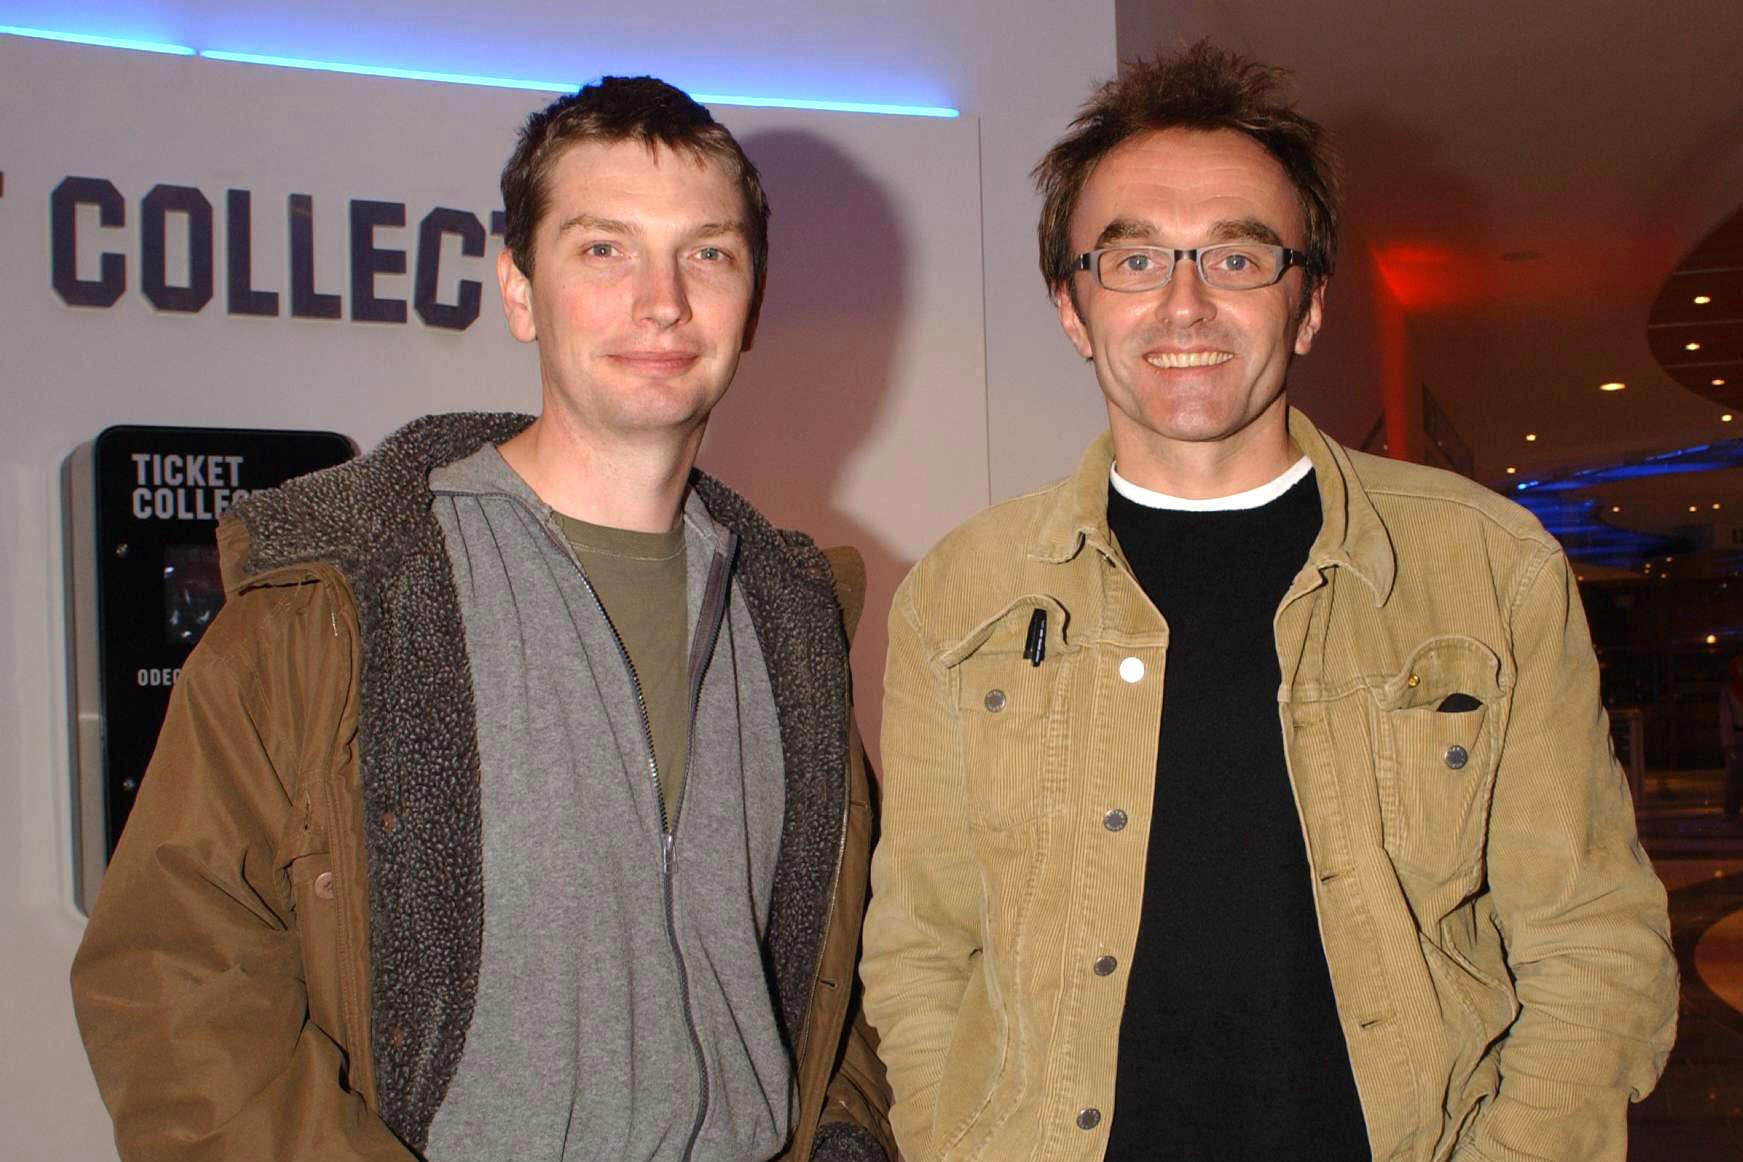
{"points": [[809, 390]]}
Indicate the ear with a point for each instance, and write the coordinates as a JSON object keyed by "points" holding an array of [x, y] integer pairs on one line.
{"points": [[1308, 327], [1071, 321], [756, 311], [517, 297]]}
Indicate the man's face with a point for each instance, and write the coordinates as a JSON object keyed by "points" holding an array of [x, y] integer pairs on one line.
{"points": [[643, 294], [1187, 364]]}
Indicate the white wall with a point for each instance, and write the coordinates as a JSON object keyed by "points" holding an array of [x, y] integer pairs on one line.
{"points": [[949, 356]]}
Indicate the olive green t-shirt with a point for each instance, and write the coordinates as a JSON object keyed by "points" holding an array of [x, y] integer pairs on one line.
{"points": [[640, 579]]}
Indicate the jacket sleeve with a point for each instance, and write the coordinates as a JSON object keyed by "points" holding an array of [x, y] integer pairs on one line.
{"points": [[1580, 910], [855, 1125], [189, 983], [922, 926]]}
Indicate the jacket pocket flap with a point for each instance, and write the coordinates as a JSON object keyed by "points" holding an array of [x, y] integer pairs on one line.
{"points": [[1007, 631], [1442, 668]]}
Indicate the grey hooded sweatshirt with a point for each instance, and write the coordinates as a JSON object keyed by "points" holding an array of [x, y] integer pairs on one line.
{"points": [[623, 1008]]}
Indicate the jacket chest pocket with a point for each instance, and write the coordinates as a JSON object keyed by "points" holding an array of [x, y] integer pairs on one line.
{"points": [[1438, 720], [1010, 714]]}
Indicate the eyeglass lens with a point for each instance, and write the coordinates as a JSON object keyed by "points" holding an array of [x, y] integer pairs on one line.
{"points": [[1231, 266]]}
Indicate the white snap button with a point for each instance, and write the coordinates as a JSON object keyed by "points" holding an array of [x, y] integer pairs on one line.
{"points": [[1132, 670]]}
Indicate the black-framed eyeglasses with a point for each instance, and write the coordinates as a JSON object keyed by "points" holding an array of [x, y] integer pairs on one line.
{"points": [[1225, 266]]}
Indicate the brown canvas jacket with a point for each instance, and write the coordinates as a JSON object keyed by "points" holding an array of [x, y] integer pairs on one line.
{"points": [[1496, 939], [276, 966]]}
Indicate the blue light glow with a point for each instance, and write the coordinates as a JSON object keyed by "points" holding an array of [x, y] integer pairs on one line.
{"points": [[828, 106], [1694, 458], [99, 41], [368, 70], [287, 62], [1577, 522]]}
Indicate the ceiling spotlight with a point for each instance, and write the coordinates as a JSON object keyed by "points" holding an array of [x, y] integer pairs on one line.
{"points": [[1667, 560], [1691, 346], [1615, 508], [1718, 383], [1694, 508], [1712, 639], [1703, 300], [1715, 506], [1726, 418], [1511, 470], [1612, 386], [1530, 437]]}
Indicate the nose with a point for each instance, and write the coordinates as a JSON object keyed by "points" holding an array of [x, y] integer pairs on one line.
{"points": [[660, 297], [1186, 301]]}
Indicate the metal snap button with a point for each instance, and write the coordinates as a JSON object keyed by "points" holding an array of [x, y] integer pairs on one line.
{"points": [[1105, 965], [995, 700], [324, 885], [1132, 670], [1457, 756], [1088, 1119], [1114, 820]]}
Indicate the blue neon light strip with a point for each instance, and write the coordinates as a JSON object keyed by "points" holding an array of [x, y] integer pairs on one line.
{"points": [[365, 70], [1578, 522], [286, 62], [1694, 458], [99, 41], [827, 106]]}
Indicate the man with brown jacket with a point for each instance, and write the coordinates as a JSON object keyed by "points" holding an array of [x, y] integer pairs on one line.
{"points": [[1246, 797], [512, 807]]}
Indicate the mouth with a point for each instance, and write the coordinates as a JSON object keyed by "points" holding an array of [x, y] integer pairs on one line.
{"points": [[655, 362], [1172, 360]]}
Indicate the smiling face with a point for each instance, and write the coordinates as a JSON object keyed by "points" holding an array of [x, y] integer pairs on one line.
{"points": [[1191, 374], [644, 293]]}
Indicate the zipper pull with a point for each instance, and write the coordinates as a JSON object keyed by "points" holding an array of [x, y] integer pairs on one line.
{"points": [[666, 853]]}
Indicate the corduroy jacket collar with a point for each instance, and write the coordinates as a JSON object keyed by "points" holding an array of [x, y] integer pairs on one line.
{"points": [[1351, 535]]}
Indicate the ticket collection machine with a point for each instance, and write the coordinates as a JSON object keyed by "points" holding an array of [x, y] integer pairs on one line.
{"points": [[143, 505]]}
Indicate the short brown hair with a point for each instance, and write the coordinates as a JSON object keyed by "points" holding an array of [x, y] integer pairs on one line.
{"points": [[643, 109], [1202, 88]]}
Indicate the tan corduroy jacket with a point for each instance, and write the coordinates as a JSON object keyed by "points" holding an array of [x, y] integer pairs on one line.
{"points": [[1497, 940]]}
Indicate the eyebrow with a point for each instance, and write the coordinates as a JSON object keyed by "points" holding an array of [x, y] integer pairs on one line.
{"points": [[616, 226], [733, 226], [1226, 230], [1125, 230], [1245, 230], [589, 222]]}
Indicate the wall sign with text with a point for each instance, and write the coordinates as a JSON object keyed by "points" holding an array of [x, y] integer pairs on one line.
{"points": [[451, 303]]}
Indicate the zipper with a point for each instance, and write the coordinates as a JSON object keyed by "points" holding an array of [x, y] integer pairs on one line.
{"points": [[544, 521], [708, 623]]}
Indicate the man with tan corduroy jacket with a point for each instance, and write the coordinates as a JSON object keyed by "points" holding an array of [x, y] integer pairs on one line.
{"points": [[1246, 797]]}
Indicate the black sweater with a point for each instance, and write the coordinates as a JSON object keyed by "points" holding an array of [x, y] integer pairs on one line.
{"points": [[1230, 1046]]}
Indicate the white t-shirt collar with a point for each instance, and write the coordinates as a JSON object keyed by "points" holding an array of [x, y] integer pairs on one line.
{"points": [[1251, 498]]}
